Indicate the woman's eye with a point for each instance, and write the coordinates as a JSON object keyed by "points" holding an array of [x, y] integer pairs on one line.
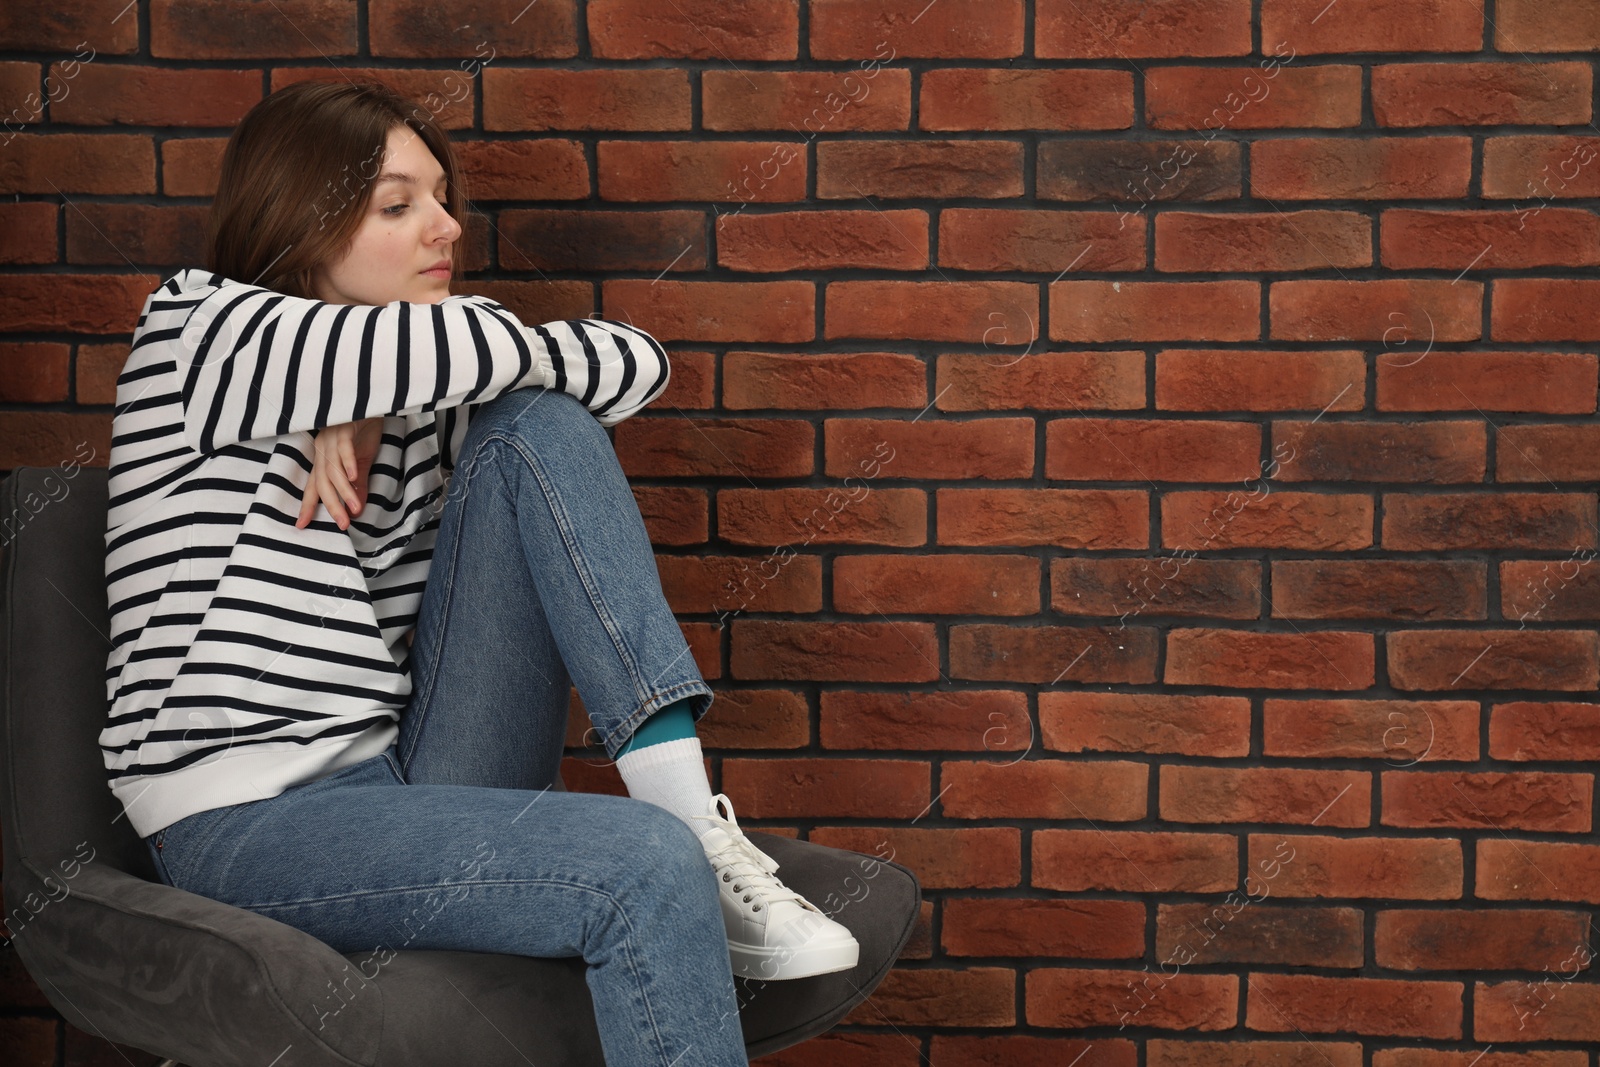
{"points": [[394, 210]]}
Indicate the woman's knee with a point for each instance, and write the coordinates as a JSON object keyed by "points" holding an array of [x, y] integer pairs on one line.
{"points": [[533, 408], [665, 846], [524, 419], [662, 831]]}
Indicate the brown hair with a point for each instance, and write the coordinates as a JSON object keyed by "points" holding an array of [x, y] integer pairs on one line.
{"points": [[297, 179]]}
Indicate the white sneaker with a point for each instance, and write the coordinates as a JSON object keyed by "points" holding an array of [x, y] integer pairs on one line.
{"points": [[773, 932]]}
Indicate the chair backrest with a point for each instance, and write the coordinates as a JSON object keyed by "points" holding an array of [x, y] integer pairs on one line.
{"points": [[55, 804]]}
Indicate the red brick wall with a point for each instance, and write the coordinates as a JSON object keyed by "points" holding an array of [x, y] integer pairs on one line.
{"points": [[1132, 461]]}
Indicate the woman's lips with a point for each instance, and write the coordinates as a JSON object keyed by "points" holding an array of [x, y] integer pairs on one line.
{"points": [[442, 273]]}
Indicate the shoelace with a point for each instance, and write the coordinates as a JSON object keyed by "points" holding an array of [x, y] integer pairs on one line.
{"points": [[739, 858]]}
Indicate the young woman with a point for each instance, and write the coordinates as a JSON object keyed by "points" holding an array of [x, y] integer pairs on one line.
{"points": [[363, 535]]}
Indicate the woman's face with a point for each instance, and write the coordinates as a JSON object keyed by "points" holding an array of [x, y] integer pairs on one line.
{"points": [[406, 230]]}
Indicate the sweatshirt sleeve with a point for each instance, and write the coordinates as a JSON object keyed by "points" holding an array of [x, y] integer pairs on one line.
{"points": [[614, 368], [255, 363]]}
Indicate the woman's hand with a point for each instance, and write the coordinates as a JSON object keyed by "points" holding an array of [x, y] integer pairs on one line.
{"points": [[344, 454]]}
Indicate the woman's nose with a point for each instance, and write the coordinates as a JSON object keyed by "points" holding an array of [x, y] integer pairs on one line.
{"points": [[448, 225]]}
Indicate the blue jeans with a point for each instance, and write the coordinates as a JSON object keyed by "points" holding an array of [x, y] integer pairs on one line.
{"points": [[543, 577]]}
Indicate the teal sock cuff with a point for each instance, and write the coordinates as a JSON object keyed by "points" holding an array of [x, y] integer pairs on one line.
{"points": [[670, 723]]}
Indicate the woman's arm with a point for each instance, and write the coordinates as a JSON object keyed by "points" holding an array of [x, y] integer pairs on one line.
{"points": [[254, 363]]}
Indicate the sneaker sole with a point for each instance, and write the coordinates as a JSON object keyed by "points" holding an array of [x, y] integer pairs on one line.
{"points": [[777, 964]]}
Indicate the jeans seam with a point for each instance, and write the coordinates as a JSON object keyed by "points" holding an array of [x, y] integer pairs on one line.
{"points": [[581, 566], [394, 766], [364, 894], [622, 912], [422, 700]]}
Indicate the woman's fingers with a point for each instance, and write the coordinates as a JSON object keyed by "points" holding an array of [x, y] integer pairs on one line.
{"points": [[308, 505], [341, 484], [338, 494], [329, 492], [334, 468], [347, 458], [312, 496], [325, 472]]}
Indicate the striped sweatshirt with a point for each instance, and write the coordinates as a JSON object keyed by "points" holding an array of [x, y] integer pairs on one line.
{"points": [[247, 655]]}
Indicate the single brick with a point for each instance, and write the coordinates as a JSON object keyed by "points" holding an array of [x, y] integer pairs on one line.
{"points": [[1128, 587], [1213, 379], [1311, 1003], [998, 98], [1371, 168], [1119, 29], [694, 29], [1379, 868], [1379, 589], [1372, 26], [1207, 521], [1493, 659], [1556, 383], [1270, 94], [1085, 721], [1400, 732], [1520, 93], [1252, 659], [1069, 518], [885, 30], [1269, 241]]}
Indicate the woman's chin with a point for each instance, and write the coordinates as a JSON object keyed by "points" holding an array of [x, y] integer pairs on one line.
{"points": [[434, 290], [431, 291]]}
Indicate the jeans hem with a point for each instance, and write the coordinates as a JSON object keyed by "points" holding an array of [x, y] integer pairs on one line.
{"points": [[660, 698]]}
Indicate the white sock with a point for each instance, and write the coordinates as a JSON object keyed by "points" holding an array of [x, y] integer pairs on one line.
{"points": [[671, 775]]}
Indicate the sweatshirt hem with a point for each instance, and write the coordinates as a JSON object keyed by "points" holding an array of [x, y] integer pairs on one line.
{"points": [[154, 802]]}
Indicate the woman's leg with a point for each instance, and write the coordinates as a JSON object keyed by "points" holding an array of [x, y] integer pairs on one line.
{"points": [[543, 576], [543, 567], [367, 863]]}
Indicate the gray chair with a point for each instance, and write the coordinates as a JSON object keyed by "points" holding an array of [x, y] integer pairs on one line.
{"points": [[124, 957]]}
